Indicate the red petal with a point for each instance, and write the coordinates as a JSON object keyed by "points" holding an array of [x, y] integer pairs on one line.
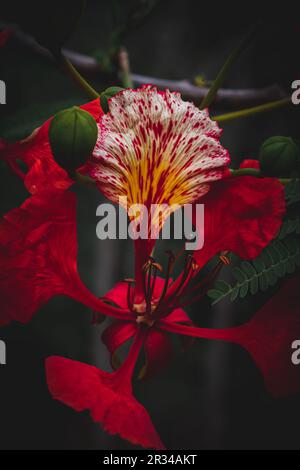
{"points": [[117, 334], [118, 294], [269, 336], [242, 215], [250, 164], [38, 254], [108, 397], [158, 350], [35, 264], [178, 316]]}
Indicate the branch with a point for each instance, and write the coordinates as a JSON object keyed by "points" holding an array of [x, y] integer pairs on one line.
{"points": [[226, 97], [233, 98]]}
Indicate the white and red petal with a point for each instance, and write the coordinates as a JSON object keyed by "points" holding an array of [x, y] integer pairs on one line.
{"points": [[155, 148]]}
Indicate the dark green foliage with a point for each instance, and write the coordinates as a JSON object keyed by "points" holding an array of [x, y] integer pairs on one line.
{"points": [[279, 259]]}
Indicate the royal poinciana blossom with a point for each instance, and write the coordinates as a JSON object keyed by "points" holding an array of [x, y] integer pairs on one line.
{"points": [[152, 148]]}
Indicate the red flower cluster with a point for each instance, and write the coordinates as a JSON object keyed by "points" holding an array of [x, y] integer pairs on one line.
{"points": [[242, 215]]}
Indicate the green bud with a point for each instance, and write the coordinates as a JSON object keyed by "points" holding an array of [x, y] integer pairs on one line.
{"points": [[108, 93], [280, 156], [72, 135]]}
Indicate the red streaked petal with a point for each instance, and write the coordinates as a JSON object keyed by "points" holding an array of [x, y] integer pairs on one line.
{"points": [[242, 215]]}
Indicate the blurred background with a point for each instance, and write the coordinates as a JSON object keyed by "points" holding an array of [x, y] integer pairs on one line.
{"points": [[212, 396]]}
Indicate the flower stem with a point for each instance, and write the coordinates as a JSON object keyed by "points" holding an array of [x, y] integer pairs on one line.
{"points": [[255, 110], [70, 70]]}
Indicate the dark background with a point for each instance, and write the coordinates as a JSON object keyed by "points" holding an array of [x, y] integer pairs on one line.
{"points": [[212, 396]]}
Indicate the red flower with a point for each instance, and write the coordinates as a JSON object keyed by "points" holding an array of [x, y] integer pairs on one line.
{"points": [[108, 397], [43, 173], [241, 214], [152, 148]]}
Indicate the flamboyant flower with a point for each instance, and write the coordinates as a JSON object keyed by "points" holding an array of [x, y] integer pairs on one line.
{"points": [[155, 148]]}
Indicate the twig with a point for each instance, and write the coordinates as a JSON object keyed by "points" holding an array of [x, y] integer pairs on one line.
{"points": [[263, 108], [232, 98], [125, 68], [226, 98]]}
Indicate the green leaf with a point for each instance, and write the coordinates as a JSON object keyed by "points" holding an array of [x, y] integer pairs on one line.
{"points": [[277, 260], [239, 275]]}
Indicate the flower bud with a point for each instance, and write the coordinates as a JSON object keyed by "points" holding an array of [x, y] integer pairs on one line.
{"points": [[106, 94], [72, 135], [280, 156]]}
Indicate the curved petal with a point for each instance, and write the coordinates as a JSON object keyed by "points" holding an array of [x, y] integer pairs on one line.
{"points": [[34, 262], [38, 258], [118, 294], [117, 334], [108, 397], [242, 215], [268, 337]]}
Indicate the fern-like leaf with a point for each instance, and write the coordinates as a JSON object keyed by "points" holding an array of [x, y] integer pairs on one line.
{"points": [[280, 258]]}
